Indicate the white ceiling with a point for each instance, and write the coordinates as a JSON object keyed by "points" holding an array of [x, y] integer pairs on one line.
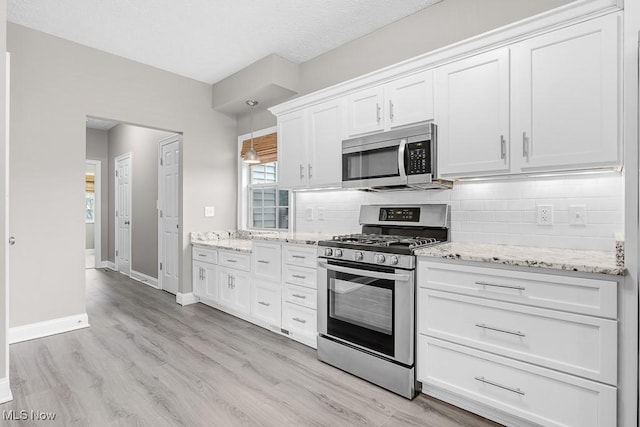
{"points": [[209, 40], [100, 124]]}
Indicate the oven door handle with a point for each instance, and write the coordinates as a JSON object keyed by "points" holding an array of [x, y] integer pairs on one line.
{"points": [[365, 273]]}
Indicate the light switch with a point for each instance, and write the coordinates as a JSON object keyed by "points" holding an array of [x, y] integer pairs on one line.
{"points": [[320, 214], [309, 214], [209, 211], [578, 215]]}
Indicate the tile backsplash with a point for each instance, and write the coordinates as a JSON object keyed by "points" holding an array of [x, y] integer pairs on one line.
{"points": [[503, 211]]}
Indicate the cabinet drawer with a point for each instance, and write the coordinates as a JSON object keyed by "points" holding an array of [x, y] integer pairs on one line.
{"points": [[536, 394], [304, 256], [235, 260], [205, 255], [302, 276], [266, 261], [266, 302], [579, 295], [300, 295], [299, 321], [576, 344]]}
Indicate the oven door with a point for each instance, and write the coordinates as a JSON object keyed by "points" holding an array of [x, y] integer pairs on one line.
{"points": [[373, 164], [368, 306]]}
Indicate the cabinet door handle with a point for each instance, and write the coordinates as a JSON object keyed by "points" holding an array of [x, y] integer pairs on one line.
{"points": [[309, 169], [266, 304], [504, 387], [503, 147], [299, 320], [525, 145], [504, 331], [297, 276], [301, 171], [200, 273], [518, 288], [204, 273], [261, 261], [390, 110], [202, 254], [233, 282], [378, 112], [299, 296]]}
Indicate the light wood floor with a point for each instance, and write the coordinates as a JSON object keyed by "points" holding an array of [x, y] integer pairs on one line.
{"points": [[147, 361]]}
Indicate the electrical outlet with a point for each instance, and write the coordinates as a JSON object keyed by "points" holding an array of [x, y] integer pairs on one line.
{"points": [[578, 215], [209, 211], [320, 214], [309, 214], [545, 214]]}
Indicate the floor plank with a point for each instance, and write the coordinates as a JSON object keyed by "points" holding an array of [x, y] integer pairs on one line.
{"points": [[146, 361]]}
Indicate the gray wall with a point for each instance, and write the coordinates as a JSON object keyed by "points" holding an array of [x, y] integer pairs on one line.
{"points": [[4, 346], [55, 84], [97, 150], [142, 143], [440, 25]]}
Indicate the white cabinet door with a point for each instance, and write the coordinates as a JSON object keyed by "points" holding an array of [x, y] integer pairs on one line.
{"points": [[365, 111], [235, 289], [326, 133], [292, 150], [409, 100], [205, 280], [566, 99], [472, 113], [267, 302]]}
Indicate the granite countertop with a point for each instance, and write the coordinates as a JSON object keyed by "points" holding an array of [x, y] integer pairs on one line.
{"points": [[560, 259], [241, 240]]}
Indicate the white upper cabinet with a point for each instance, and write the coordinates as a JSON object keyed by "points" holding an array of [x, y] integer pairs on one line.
{"points": [[402, 102], [310, 146], [566, 99], [472, 114], [292, 150]]}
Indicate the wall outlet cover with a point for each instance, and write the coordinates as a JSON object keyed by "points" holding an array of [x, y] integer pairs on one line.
{"points": [[308, 213], [320, 214], [578, 215], [545, 214], [209, 211]]}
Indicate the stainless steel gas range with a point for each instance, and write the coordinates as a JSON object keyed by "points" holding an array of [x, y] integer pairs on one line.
{"points": [[367, 289]]}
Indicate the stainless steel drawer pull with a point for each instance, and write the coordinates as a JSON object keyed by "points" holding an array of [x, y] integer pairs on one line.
{"points": [[503, 147], [486, 381], [504, 331], [298, 256], [266, 304], [202, 254], [231, 260], [525, 145], [299, 320], [481, 283], [297, 276], [261, 261], [299, 296]]}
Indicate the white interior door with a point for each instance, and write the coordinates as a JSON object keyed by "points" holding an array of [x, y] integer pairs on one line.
{"points": [[123, 213], [168, 221]]}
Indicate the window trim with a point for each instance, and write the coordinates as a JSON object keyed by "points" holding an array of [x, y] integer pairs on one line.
{"points": [[243, 193]]}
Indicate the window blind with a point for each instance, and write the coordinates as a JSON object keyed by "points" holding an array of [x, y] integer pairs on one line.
{"points": [[266, 146]]}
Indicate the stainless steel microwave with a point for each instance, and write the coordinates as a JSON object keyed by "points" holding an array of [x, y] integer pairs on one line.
{"points": [[398, 159]]}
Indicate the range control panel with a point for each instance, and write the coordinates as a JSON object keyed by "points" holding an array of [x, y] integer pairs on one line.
{"points": [[400, 214], [418, 158]]}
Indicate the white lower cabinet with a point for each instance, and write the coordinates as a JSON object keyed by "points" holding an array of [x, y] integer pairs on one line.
{"points": [[205, 274], [266, 303], [300, 322], [235, 289], [519, 346]]}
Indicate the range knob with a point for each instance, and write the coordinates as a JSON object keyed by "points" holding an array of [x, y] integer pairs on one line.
{"points": [[393, 260], [379, 259], [337, 252], [328, 252], [358, 256]]}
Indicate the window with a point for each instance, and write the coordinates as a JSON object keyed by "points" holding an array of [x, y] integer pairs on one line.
{"points": [[268, 205], [90, 198]]}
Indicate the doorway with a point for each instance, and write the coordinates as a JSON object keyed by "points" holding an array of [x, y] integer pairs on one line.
{"points": [[92, 216]]}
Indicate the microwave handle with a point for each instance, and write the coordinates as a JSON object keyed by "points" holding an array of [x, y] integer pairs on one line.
{"points": [[401, 165]]}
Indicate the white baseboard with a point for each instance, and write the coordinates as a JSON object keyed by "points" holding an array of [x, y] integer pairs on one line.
{"points": [[48, 327], [90, 251], [103, 264], [109, 264], [143, 278], [186, 299], [5, 391]]}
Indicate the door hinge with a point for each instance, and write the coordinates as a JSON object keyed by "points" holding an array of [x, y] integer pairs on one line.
{"points": [[116, 253], [160, 266], [160, 213], [116, 173], [116, 213], [161, 163]]}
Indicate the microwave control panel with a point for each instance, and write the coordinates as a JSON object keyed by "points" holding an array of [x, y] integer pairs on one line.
{"points": [[418, 158]]}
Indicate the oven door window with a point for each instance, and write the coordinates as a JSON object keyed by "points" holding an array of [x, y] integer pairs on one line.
{"points": [[368, 164], [361, 311]]}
